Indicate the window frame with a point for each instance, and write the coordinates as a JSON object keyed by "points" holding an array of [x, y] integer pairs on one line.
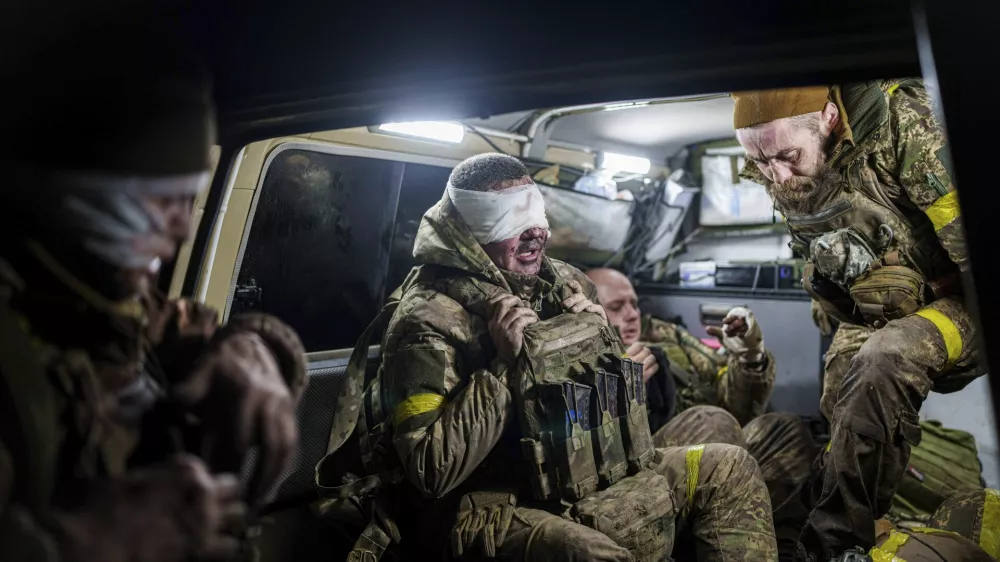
{"points": [[339, 354]]}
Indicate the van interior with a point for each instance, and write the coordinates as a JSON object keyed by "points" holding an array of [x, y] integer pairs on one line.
{"points": [[318, 229], [315, 200]]}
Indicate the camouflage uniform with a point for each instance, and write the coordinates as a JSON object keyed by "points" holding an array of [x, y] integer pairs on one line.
{"points": [[897, 194], [455, 432], [974, 514], [847, 340], [783, 446], [86, 403], [926, 545], [706, 378]]}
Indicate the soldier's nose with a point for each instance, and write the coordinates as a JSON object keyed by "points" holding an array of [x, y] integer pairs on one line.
{"points": [[780, 174]]}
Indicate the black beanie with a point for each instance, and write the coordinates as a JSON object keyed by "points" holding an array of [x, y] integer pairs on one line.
{"points": [[132, 101]]}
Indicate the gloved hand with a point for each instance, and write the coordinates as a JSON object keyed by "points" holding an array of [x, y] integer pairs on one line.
{"points": [[740, 334], [171, 513], [578, 302], [242, 399], [483, 521]]}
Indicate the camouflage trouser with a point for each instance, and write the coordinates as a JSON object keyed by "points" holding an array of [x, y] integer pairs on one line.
{"points": [[974, 514], [783, 447], [927, 545], [720, 504], [847, 340], [700, 424], [876, 420]]}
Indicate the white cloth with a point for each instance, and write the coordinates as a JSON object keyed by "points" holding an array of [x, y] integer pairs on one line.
{"points": [[493, 216], [750, 346], [106, 213]]}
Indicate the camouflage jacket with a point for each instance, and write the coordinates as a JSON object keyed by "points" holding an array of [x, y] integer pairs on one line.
{"points": [[706, 378], [441, 383], [890, 142], [84, 389]]}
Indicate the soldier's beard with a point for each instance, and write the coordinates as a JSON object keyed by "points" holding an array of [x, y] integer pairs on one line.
{"points": [[805, 194]]}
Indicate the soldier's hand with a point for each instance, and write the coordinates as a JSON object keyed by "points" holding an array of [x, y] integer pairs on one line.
{"points": [[740, 334], [578, 302], [242, 399], [641, 354], [509, 318], [171, 513]]}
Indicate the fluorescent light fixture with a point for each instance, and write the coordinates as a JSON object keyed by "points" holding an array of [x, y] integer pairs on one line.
{"points": [[625, 105], [433, 130], [622, 163]]}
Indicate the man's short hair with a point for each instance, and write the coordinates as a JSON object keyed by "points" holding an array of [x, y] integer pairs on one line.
{"points": [[483, 171]]}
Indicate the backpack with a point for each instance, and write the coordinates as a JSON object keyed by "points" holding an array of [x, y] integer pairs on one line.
{"points": [[945, 461]]}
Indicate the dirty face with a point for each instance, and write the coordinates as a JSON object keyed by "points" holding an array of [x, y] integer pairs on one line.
{"points": [[791, 153], [618, 297], [522, 254]]}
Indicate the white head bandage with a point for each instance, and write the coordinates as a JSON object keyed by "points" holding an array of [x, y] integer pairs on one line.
{"points": [[493, 216], [106, 213]]}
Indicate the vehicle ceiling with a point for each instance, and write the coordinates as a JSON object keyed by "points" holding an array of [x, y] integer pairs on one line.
{"points": [[309, 65], [656, 132]]}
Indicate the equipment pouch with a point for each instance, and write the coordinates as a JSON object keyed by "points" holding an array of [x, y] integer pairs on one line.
{"points": [[568, 440], [841, 256], [637, 513], [834, 300], [609, 448], [633, 419], [887, 293]]}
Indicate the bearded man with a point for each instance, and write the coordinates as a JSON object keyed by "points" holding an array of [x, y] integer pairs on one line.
{"points": [[861, 173]]}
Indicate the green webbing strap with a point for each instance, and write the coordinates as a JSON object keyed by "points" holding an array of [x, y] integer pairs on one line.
{"points": [[30, 415], [348, 405]]}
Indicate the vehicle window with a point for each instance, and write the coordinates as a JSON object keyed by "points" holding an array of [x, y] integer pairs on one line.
{"points": [[318, 250], [421, 188]]}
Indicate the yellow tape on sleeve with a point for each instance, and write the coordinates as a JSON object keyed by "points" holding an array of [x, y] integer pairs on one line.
{"points": [[722, 371], [989, 534], [949, 331], [693, 461], [886, 552], [943, 211], [416, 405]]}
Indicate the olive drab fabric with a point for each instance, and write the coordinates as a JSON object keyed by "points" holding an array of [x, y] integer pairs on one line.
{"points": [[925, 544], [783, 446], [847, 340], [700, 424], [895, 207], [703, 377], [81, 391], [973, 513], [462, 423], [946, 461]]}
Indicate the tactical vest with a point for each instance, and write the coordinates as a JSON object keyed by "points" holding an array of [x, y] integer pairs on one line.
{"points": [[870, 260], [581, 408], [581, 411]]}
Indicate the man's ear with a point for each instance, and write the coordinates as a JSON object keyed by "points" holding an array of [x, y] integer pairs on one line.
{"points": [[829, 119]]}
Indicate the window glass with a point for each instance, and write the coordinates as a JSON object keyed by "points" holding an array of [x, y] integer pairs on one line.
{"points": [[422, 187], [318, 251]]}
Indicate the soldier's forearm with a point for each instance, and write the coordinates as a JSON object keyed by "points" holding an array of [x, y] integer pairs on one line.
{"points": [[745, 389], [441, 455]]}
